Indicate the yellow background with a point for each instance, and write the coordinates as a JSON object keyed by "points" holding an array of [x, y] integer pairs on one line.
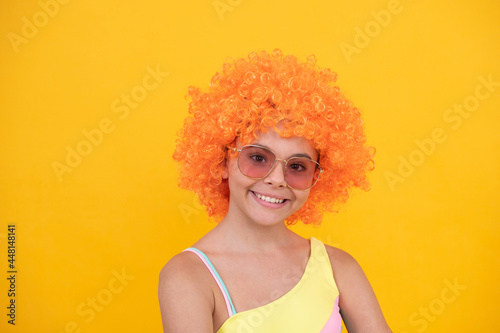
{"points": [[119, 210]]}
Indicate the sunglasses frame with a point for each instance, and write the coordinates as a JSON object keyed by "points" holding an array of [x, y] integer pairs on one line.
{"points": [[274, 164]]}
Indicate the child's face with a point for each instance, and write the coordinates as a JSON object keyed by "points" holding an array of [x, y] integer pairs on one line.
{"points": [[249, 198]]}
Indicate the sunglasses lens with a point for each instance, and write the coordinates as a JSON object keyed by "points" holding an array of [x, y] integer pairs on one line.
{"points": [[256, 162], [301, 173]]}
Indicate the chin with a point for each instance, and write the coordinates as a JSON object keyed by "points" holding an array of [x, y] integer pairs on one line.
{"points": [[268, 221]]}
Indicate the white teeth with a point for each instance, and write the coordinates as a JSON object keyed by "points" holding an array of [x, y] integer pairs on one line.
{"points": [[268, 199]]}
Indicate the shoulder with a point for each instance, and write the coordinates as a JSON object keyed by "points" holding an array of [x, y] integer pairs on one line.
{"points": [[347, 272], [184, 292], [184, 271], [180, 267], [340, 257], [358, 304], [344, 265]]}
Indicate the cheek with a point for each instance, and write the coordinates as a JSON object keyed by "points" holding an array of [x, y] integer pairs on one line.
{"points": [[302, 196], [229, 169], [234, 177]]}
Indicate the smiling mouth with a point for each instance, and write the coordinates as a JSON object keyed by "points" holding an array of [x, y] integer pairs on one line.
{"points": [[269, 199]]}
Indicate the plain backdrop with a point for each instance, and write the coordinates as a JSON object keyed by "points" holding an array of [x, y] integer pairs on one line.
{"points": [[93, 94]]}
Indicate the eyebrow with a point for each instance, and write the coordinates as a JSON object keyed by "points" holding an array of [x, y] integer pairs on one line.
{"points": [[294, 155]]}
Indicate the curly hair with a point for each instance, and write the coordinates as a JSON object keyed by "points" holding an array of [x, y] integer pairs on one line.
{"points": [[257, 93]]}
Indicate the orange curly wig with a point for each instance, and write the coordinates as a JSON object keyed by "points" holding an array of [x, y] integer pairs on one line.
{"points": [[256, 94]]}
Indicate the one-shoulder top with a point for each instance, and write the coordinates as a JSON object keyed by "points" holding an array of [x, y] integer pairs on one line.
{"points": [[312, 305]]}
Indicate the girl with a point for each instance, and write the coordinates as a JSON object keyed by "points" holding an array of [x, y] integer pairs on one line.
{"points": [[272, 142]]}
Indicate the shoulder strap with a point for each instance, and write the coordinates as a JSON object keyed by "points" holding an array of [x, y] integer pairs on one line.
{"points": [[230, 308], [321, 258], [319, 252]]}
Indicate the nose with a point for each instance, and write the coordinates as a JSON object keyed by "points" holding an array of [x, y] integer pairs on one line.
{"points": [[276, 176]]}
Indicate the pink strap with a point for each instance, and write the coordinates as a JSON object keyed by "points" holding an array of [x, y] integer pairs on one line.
{"points": [[222, 287]]}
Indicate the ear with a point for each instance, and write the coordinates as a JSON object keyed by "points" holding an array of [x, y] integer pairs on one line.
{"points": [[225, 173]]}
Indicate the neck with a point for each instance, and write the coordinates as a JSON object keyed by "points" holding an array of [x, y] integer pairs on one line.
{"points": [[249, 235]]}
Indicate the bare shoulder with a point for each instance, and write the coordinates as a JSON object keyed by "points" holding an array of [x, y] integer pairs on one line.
{"points": [[183, 293], [346, 270], [340, 257], [179, 268], [358, 304], [344, 266]]}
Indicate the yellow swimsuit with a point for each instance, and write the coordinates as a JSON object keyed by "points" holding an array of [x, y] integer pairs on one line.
{"points": [[311, 306]]}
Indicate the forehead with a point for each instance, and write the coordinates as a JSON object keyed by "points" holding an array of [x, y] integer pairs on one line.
{"points": [[285, 147]]}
